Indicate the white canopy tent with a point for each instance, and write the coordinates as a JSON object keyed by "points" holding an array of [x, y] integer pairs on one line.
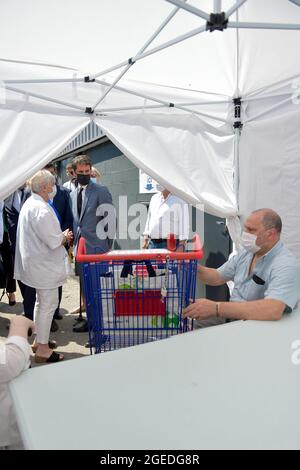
{"points": [[202, 95]]}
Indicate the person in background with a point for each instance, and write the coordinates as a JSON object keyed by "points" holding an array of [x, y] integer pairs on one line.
{"points": [[41, 259], [61, 203], [167, 214], [71, 175], [14, 359], [1, 221], [12, 206], [90, 203], [265, 273], [7, 258], [95, 175]]}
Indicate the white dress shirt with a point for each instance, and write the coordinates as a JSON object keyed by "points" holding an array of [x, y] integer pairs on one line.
{"points": [[165, 216], [14, 358], [1, 222], [40, 260], [69, 185]]}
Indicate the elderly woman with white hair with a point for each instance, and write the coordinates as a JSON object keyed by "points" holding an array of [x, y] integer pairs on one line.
{"points": [[41, 259]]}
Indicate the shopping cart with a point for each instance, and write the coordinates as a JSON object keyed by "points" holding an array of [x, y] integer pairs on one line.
{"points": [[137, 296]]}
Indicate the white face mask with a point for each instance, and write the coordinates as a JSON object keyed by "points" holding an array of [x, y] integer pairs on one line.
{"points": [[159, 187], [53, 193], [248, 241]]}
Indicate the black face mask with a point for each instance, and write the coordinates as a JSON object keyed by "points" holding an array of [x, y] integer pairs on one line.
{"points": [[83, 180]]}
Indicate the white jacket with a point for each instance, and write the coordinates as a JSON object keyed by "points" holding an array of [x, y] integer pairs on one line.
{"points": [[40, 260], [14, 358]]}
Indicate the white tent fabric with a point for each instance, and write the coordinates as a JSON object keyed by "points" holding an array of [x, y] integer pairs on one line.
{"points": [[179, 112], [206, 151], [272, 160]]}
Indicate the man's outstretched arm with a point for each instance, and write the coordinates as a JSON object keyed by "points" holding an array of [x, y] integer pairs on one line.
{"points": [[265, 309]]}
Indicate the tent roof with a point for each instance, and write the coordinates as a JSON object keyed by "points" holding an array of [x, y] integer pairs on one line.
{"points": [[91, 36]]}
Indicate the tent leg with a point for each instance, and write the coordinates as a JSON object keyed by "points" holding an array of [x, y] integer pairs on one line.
{"points": [[217, 6], [236, 180]]}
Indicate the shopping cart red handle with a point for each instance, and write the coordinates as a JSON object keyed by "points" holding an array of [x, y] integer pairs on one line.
{"points": [[141, 255]]}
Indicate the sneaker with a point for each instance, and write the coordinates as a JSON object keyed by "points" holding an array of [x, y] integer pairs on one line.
{"points": [[81, 327]]}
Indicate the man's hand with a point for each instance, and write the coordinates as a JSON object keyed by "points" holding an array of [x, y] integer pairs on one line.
{"points": [[145, 243], [201, 309], [69, 236]]}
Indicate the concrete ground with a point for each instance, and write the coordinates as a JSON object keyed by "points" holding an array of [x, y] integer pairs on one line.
{"points": [[70, 344]]}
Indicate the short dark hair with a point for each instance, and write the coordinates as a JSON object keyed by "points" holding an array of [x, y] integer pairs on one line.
{"points": [[50, 165], [82, 160], [270, 219]]}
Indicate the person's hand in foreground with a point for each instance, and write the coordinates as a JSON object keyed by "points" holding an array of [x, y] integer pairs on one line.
{"points": [[20, 326]]}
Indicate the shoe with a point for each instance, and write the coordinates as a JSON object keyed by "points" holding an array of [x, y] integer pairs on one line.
{"points": [[51, 344], [54, 326], [58, 316], [11, 296], [55, 357], [81, 327], [78, 319]]}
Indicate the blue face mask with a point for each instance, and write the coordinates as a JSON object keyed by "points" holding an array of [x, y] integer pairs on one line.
{"points": [[94, 180]]}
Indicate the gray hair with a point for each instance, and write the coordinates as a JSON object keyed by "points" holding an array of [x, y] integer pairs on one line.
{"points": [[270, 219], [40, 179]]}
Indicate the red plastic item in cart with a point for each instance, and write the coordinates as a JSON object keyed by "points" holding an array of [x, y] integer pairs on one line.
{"points": [[132, 303]]}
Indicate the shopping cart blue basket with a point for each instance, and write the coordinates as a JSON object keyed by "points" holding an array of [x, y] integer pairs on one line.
{"points": [[137, 296]]}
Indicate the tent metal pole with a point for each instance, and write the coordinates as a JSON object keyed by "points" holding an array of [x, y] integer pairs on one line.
{"points": [[235, 7], [145, 46], [190, 8], [129, 108], [170, 43], [136, 108], [268, 110], [260, 98], [46, 80], [111, 69], [236, 180], [217, 6], [267, 87], [181, 38], [237, 24], [166, 103], [296, 2], [46, 98]]}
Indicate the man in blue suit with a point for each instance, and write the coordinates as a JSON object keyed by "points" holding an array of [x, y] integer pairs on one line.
{"points": [[61, 204], [94, 215]]}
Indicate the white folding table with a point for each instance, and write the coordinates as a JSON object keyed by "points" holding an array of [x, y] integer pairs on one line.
{"points": [[227, 387]]}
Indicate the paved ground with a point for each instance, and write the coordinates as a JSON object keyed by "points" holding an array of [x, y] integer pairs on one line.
{"points": [[69, 343]]}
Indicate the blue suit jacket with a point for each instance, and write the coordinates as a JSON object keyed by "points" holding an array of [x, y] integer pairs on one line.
{"points": [[62, 204], [91, 216]]}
